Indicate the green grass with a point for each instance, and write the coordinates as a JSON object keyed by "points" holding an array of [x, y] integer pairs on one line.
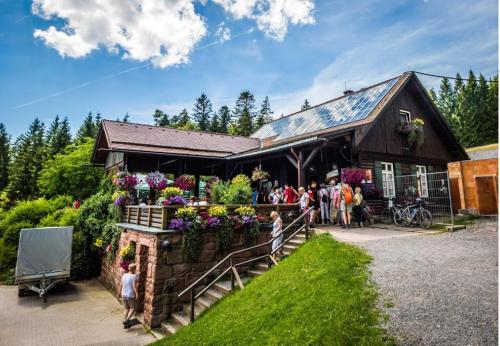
{"points": [[321, 295]]}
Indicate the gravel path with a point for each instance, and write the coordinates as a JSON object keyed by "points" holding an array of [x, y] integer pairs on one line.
{"points": [[440, 289]]}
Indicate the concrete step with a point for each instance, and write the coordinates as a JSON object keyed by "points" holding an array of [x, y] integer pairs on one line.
{"points": [[214, 294], [261, 265], [170, 327], [198, 309], [255, 272], [204, 301], [297, 241], [181, 318], [286, 253], [223, 286], [289, 248]]}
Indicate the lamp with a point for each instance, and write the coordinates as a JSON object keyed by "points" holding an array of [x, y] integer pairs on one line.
{"points": [[166, 245]]}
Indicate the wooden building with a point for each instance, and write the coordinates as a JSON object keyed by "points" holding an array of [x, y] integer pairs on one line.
{"points": [[359, 129]]}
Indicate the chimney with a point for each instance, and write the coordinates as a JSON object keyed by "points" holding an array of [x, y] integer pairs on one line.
{"points": [[347, 92]]}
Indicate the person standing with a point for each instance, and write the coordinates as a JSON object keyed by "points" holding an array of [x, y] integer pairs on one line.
{"points": [[129, 295], [358, 207], [289, 194], [324, 204], [304, 200], [276, 197], [277, 232], [346, 196], [313, 197], [334, 202]]}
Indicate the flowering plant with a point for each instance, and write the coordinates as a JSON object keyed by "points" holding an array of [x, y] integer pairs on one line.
{"points": [[209, 184], [156, 180], [218, 211], [175, 200], [99, 243], [245, 211], [240, 179], [127, 253], [186, 213], [125, 180], [120, 197], [259, 174], [181, 224], [171, 191], [185, 182], [353, 176], [417, 122], [416, 133]]}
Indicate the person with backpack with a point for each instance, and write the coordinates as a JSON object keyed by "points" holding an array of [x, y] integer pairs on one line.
{"points": [[346, 196], [335, 202], [358, 206], [324, 204]]}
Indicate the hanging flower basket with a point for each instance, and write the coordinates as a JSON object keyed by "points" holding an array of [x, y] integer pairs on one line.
{"points": [[185, 182], [258, 174], [352, 176], [125, 181], [416, 134], [156, 180]]}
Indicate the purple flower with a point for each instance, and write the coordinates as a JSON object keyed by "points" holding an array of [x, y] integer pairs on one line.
{"points": [[246, 219], [120, 200], [176, 224], [213, 222], [176, 200]]}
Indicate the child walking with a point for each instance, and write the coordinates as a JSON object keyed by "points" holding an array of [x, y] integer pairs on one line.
{"points": [[358, 207], [128, 292]]}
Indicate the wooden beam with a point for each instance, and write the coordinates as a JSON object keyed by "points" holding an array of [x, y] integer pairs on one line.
{"points": [[294, 154], [237, 276], [311, 156], [300, 170], [292, 160]]}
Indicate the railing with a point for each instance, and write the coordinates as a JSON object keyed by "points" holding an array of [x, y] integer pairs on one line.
{"points": [[232, 266], [159, 216]]}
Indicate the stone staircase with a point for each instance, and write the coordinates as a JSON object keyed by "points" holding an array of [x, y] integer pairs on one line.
{"points": [[220, 289]]}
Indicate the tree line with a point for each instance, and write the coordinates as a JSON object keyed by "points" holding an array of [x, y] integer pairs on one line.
{"points": [[470, 107], [22, 162]]}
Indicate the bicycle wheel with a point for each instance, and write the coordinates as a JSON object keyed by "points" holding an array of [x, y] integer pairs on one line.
{"points": [[399, 218], [425, 218], [386, 215]]}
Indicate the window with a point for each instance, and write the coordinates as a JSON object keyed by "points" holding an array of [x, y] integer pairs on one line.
{"points": [[404, 117], [422, 181], [388, 179]]}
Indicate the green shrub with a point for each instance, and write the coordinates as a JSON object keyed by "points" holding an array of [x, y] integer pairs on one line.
{"points": [[60, 218], [238, 191]]}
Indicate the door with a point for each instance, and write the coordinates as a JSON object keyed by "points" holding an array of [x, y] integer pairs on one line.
{"points": [[487, 195]]}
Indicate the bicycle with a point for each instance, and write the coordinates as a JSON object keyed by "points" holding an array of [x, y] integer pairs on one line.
{"points": [[389, 211], [413, 215]]}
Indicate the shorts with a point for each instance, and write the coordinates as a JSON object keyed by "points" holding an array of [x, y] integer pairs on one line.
{"points": [[128, 303], [344, 207]]}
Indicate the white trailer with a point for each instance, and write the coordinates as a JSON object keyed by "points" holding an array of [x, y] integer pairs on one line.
{"points": [[43, 259]]}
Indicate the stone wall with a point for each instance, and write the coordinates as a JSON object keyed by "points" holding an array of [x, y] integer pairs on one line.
{"points": [[164, 274]]}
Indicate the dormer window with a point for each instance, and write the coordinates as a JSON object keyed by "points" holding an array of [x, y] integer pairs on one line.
{"points": [[404, 117]]}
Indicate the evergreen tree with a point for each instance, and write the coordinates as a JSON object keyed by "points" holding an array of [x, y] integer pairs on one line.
{"points": [[491, 133], [160, 118], [446, 103], [88, 129], [215, 124], [183, 119], [482, 116], [469, 113], [244, 113], [27, 162], [305, 106], [126, 118], [224, 119], [98, 120], [433, 96], [4, 156], [202, 111], [264, 114], [58, 136]]}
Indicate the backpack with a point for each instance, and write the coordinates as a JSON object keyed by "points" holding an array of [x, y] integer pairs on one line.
{"points": [[347, 195], [324, 198]]}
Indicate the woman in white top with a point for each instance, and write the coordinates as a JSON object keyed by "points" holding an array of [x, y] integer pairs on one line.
{"points": [[277, 228]]}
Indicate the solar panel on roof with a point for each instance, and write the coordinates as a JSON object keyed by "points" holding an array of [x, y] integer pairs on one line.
{"points": [[338, 112]]}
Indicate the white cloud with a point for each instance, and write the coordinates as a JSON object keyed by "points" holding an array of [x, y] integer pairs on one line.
{"points": [[223, 33], [272, 16], [164, 32]]}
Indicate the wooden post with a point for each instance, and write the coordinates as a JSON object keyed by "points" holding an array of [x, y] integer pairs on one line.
{"points": [[128, 214], [139, 216], [232, 273], [192, 305], [150, 210], [307, 224], [164, 215]]}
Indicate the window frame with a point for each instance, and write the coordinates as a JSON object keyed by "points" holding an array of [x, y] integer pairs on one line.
{"points": [[388, 183], [407, 115], [422, 184]]}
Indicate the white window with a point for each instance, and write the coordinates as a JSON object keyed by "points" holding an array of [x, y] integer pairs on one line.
{"points": [[422, 181], [388, 179], [404, 117]]}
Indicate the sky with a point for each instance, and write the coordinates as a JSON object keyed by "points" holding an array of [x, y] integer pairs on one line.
{"points": [[72, 57]]}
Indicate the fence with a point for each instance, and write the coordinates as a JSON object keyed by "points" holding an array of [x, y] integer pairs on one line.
{"points": [[433, 188]]}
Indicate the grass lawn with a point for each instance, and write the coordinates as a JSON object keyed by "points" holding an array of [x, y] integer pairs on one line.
{"points": [[321, 295]]}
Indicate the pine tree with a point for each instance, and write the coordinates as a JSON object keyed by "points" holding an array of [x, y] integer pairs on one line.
{"points": [[29, 157], [433, 96], [492, 132], [88, 129], [305, 106], [224, 119], [264, 114], [215, 124], [202, 111], [4, 156], [58, 136], [482, 108], [126, 118], [244, 113], [183, 118], [445, 103], [160, 118], [470, 125], [98, 120]]}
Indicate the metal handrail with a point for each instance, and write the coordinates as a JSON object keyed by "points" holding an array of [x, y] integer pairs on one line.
{"points": [[192, 287]]}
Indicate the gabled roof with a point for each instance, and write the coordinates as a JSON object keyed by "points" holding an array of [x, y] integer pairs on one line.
{"points": [[130, 137], [341, 112]]}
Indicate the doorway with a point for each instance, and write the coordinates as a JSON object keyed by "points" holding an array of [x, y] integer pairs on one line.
{"points": [[486, 190], [143, 274]]}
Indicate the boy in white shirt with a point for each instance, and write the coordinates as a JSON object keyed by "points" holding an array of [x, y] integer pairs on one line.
{"points": [[128, 293]]}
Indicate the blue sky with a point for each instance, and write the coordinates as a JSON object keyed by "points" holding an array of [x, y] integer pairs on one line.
{"points": [[306, 53]]}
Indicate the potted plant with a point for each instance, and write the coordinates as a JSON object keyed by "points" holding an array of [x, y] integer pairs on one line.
{"points": [[125, 181], [127, 255], [173, 196], [185, 182], [416, 133], [259, 174], [156, 180], [246, 219]]}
